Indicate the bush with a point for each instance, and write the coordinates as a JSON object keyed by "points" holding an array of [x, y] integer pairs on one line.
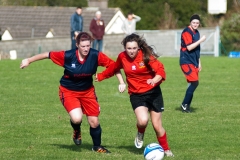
{"points": [[230, 33]]}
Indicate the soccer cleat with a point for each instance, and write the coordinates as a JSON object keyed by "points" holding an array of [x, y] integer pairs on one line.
{"points": [[168, 153], [100, 149], [185, 108], [139, 140], [77, 138]]}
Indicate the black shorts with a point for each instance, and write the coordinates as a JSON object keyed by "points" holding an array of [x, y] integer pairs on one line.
{"points": [[152, 99]]}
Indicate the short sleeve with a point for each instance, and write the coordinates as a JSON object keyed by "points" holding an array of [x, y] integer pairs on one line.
{"points": [[57, 57], [187, 38]]}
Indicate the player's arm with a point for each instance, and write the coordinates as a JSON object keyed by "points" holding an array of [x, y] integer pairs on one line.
{"points": [[160, 74], [27, 61], [199, 65], [122, 85], [111, 67], [155, 80], [197, 43], [110, 71]]}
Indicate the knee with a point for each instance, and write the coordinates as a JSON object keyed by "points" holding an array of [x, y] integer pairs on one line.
{"points": [[94, 125], [76, 119], [93, 122], [142, 122]]}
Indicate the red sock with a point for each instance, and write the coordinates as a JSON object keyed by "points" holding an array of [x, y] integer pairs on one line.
{"points": [[163, 142], [141, 130]]}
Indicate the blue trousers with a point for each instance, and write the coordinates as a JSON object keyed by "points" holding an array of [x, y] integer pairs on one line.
{"points": [[98, 44], [73, 46]]}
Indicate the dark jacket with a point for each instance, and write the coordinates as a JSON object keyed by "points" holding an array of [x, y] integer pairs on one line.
{"points": [[97, 28], [76, 22]]}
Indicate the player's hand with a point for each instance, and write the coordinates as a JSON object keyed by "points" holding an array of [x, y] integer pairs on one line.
{"points": [[96, 78], [122, 87], [203, 38], [199, 67], [25, 63], [151, 82]]}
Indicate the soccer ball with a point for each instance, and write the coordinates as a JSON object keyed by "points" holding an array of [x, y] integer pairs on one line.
{"points": [[153, 151]]}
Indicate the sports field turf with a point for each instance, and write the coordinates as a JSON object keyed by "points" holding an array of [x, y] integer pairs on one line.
{"points": [[34, 125]]}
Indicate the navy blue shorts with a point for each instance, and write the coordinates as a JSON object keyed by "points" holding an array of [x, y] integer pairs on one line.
{"points": [[152, 99]]}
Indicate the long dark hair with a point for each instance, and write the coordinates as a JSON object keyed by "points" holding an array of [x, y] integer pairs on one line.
{"points": [[142, 44]]}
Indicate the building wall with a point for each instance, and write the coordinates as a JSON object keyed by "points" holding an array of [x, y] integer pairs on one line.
{"points": [[29, 47], [166, 43]]}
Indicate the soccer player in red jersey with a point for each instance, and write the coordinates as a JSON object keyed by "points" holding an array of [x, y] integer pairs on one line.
{"points": [[144, 74], [76, 91], [190, 59]]}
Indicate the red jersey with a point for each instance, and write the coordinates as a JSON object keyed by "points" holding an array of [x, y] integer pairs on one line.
{"points": [[136, 72]]}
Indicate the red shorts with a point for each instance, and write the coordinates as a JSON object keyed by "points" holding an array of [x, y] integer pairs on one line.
{"points": [[87, 100], [190, 72]]}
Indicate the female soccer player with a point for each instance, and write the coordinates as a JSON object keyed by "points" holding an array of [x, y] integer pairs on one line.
{"points": [[144, 74], [76, 90], [190, 59]]}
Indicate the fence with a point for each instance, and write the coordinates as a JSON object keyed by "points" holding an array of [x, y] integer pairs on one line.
{"points": [[166, 43]]}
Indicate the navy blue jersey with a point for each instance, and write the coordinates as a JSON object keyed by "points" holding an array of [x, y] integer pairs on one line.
{"points": [[78, 74], [189, 57]]}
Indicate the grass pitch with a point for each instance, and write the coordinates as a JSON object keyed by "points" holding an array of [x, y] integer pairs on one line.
{"points": [[34, 125]]}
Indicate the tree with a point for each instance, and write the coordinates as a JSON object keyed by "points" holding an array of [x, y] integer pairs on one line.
{"points": [[162, 14], [230, 33], [149, 10], [183, 10], [66, 3]]}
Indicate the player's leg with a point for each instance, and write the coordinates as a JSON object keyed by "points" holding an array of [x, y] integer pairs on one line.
{"points": [[72, 106], [160, 132], [189, 95], [96, 134], [76, 120], [156, 107], [141, 113], [92, 110], [191, 74]]}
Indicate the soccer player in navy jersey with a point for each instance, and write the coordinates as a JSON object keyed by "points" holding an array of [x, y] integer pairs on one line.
{"points": [[144, 74], [76, 90], [190, 59]]}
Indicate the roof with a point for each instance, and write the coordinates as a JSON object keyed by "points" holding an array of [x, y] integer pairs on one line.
{"points": [[27, 22]]}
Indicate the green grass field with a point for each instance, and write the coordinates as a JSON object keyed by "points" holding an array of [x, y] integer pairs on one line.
{"points": [[34, 125]]}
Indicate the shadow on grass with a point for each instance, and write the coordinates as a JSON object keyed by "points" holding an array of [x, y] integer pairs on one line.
{"points": [[131, 149], [74, 147], [193, 110]]}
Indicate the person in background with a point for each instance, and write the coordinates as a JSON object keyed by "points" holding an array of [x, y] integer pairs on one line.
{"points": [[97, 28], [0, 34], [129, 25], [190, 59], [76, 24], [76, 90], [144, 74]]}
